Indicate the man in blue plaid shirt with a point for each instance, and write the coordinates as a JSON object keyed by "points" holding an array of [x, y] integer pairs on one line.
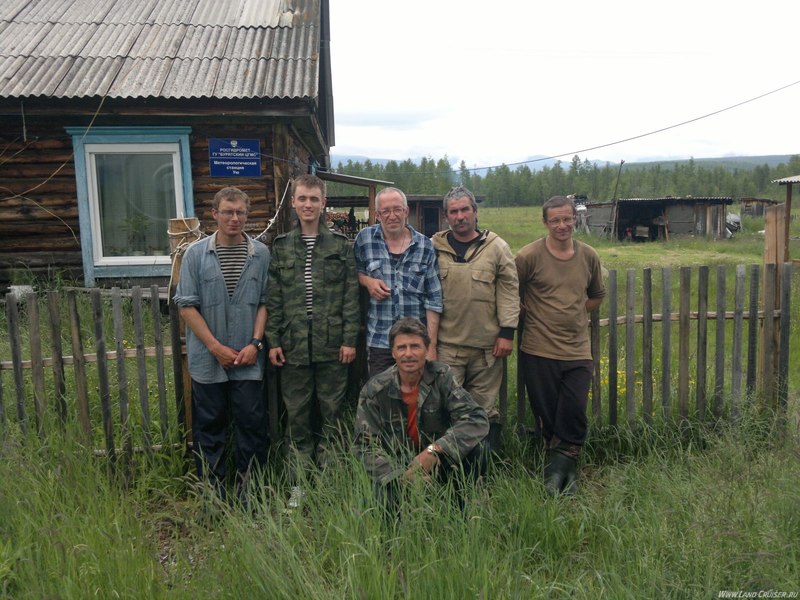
{"points": [[398, 266]]}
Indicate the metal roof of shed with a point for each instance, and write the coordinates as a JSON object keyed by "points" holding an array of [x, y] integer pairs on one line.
{"points": [[787, 180], [148, 48]]}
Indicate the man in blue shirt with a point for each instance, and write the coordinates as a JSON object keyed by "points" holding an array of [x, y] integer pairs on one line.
{"points": [[397, 265], [221, 296]]}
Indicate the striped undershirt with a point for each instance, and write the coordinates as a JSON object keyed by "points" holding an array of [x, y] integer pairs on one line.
{"points": [[231, 261], [309, 241]]}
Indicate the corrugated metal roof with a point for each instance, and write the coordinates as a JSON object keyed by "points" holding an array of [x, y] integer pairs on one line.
{"points": [[669, 199], [787, 180], [148, 48]]}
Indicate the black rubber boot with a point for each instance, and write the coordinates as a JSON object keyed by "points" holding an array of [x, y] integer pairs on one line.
{"points": [[560, 472], [495, 438]]}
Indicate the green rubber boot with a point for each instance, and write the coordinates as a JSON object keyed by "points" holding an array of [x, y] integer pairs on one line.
{"points": [[560, 473]]}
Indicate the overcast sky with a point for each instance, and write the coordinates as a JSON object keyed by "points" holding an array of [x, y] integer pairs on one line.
{"points": [[499, 82]]}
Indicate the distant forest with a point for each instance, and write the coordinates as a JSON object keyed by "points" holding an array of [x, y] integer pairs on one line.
{"points": [[522, 186]]}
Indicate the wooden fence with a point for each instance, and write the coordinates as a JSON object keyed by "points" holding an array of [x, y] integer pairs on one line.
{"points": [[107, 359]]}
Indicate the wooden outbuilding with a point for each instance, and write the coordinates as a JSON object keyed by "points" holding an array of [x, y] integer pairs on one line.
{"points": [[116, 117], [645, 219], [755, 207]]}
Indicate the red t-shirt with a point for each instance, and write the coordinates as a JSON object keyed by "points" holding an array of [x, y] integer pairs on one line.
{"points": [[410, 400]]}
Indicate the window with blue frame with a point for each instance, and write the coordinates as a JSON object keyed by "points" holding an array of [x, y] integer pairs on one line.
{"points": [[131, 182]]}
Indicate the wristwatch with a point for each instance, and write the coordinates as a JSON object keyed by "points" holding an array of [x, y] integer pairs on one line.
{"points": [[432, 450], [257, 343]]}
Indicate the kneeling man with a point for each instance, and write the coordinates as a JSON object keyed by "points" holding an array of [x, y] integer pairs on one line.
{"points": [[414, 420]]}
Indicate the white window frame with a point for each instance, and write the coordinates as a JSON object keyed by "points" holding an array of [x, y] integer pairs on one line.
{"points": [[92, 150], [86, 142]]}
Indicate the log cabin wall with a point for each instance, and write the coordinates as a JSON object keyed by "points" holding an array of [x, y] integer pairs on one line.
{"points": [[39, 223]]}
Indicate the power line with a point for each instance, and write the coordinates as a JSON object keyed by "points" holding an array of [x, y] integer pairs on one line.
{"points": [[628, 139]]}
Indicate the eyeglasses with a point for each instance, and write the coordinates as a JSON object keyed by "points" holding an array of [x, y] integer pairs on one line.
{"points": [[561, 221], [229, 213], [385, 212]]}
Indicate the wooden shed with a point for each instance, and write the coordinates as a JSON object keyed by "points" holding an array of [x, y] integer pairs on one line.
{"points": [[645, 219], [116, 117], [755, 207], [425, 211]]}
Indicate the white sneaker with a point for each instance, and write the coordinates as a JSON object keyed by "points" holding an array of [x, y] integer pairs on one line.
{"points": [[296, 497]]}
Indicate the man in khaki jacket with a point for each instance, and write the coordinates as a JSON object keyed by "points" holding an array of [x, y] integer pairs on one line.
{"points": [[481, 304]]}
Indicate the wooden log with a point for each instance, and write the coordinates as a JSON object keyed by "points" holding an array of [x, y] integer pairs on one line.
{"points": [[79, 367], [702, 343], [59, 381], [683, 341], [102, 376], [612, 347], [647, 344], [630, 347], [141, 366], [37, 366], [158, 342], [12, 315], [666, 347]]}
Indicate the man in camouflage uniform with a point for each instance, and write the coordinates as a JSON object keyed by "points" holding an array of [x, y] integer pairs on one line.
{"points": [[414, 420], [312, 303]]}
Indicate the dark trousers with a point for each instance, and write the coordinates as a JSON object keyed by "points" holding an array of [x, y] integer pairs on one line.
{"points": [[558, 391], [378, 360], [215, 408]]}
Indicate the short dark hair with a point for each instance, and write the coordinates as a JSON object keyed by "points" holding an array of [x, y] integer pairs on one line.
{"points": [[309, 181], [457, 193], [409, 326], [232, 194], [557, 202]]}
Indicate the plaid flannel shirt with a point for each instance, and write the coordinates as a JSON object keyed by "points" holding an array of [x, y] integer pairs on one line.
{"points": [[414, 281]]}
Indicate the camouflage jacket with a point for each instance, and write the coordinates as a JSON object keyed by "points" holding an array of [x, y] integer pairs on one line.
{"points": [[335, 304], [446, 415]]}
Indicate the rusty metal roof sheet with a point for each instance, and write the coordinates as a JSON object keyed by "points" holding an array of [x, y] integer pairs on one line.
{"points": [[148, 48], [787, 180]]}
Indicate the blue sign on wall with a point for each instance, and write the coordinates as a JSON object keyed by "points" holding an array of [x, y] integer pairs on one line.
{"points": [[234, 158]]}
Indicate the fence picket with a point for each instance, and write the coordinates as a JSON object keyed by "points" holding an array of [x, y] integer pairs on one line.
{"points": [[647, 345], [37, 366], [702, 343], [594, 338], [736, 346], [79, 367], [768, 341], [12, 315], [683, 341], [59, 381], [666, 343], [158, 342], [612, 347], [122, 380], [752, 332], [141, 366], [719, 344], [102, 375], [630, 347], [785, 330]]}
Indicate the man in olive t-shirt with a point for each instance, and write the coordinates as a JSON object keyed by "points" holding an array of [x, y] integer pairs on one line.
{"points": [[560, 282]]}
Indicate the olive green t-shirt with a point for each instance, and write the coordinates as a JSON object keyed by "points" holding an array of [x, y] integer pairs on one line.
{"points": [[554, 293]]}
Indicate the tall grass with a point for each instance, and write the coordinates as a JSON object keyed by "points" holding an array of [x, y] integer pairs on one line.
{"points": [[662, 514], [664, 511]]}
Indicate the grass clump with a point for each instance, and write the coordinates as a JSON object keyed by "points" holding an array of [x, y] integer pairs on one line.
{"points": [[663, 512]]}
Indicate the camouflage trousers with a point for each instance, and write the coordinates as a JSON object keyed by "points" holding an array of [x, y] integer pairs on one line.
{"points": [[301, 385], [478, 372]]}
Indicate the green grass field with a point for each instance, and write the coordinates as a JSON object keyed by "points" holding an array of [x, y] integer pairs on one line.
{"points": [[664, 512]]}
